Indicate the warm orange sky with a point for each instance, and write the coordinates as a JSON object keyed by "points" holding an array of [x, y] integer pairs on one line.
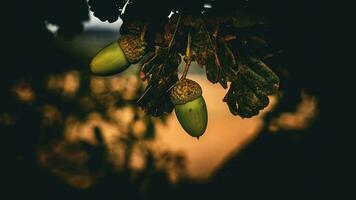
{"points": [[226, 134]]}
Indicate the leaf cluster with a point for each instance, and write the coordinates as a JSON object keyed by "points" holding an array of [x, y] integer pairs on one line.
{"points": [[231, 46]]}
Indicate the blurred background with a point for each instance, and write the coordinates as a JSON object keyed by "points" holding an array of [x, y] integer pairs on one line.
{"points": [[68, 134]]}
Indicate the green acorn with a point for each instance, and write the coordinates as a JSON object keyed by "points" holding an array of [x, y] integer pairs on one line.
{"points": [[190, 107], [118, 56]]}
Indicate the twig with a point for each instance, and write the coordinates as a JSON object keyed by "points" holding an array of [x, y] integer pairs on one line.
{"points": [[171, 42], [217, 61], [229, 38], [151, 57], [209, 38], [175, 32], [145, 92]]}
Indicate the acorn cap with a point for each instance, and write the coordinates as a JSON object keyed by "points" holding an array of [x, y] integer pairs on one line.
{"points": [[184, 91], [133, 47]]}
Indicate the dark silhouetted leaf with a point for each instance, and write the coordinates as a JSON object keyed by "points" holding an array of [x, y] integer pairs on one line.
{"points": [[213, 53], [244, 18], [106, 10], [161, 73], [212, 72], [67, 15], [248, 94]]}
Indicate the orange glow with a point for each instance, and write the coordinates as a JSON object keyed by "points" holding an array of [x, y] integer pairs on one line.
{"points": [[225, 136], [23, 92], [300, 119]]}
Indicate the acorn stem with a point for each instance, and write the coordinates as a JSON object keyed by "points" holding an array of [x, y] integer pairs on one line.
{"points": [[143, 33], [189, 44], [185, 72], [187, 57]]}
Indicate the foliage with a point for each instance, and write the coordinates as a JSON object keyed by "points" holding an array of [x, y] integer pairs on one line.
{"points": [[230, 45], [296, 24]]}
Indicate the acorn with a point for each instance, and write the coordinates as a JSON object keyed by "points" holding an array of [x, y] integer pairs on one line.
{"points": [[190, 107], [118, 56]]}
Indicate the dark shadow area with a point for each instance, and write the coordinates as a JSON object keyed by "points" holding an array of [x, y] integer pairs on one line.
{"points": [[286, 164]]}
